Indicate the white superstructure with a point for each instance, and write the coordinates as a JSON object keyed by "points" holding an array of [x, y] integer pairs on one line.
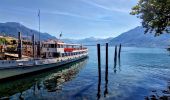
{"points": [[54, 48]]}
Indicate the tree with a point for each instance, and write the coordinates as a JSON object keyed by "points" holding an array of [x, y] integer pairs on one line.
{"points": [[155, 15], [3, 40]]}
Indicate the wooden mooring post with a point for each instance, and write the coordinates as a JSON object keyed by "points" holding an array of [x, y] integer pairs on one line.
{"points": [[120, 47], [19, 45], [99, 70], [115, 57], [106, 72], [39, 49], [99, 59], [33, 46]]}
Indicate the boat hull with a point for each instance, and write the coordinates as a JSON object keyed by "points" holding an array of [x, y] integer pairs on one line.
{"points": [[19, 72]]}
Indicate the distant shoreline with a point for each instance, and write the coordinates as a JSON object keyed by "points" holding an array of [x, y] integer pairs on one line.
{"points": [[129, 46]]}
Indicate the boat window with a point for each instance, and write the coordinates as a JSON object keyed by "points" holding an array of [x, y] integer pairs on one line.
{"points": [[58, 45], [52, 45]]}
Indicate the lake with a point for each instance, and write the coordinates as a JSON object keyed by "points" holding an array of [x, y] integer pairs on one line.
{"points": [[141, 72]]}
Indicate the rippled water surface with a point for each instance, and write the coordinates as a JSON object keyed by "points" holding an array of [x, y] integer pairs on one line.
{"points": [[139, 72]]}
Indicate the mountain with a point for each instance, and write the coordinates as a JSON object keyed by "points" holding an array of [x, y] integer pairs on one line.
{"points": [[134, 37], [88, 41], [12, 29], [137, 38]]}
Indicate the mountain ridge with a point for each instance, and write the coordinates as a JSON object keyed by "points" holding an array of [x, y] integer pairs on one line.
{"points": [[134, 37], [12, 29]]}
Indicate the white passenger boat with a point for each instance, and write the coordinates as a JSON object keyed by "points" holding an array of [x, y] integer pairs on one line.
{"points": [[53, 54]]}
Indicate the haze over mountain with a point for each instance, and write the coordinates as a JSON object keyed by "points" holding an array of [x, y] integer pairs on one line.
{"points": [[134, 37], [88, 41], [12, 29]]}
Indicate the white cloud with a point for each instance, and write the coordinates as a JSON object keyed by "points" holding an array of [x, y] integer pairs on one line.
{"points": [[74, 15], [106, 8]]}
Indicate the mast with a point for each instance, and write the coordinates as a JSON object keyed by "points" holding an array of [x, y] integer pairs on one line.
{"points": [[27, 45], [39, 23], [19, 48], [39, 42]]}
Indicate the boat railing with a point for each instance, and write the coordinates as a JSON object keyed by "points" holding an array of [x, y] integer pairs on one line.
{"points": [[73, 49], [7, 63], [31, 62]]}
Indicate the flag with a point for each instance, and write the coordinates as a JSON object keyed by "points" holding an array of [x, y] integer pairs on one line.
{"points": [[61, 34], [39, 13]]}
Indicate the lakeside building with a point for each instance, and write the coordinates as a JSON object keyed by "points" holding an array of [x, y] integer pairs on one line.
{"points": [[49, 48]]}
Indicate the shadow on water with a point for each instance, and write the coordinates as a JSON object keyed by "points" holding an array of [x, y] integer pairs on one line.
{"points": [[119, 62], [50, 81], [106, 72], [99, 85], [106, 81], [115, 59]]}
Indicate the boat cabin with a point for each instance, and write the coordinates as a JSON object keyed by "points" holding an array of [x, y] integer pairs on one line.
{"points": [[53, 48]]}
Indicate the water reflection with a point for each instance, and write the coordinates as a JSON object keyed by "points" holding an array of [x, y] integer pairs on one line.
{"points": [[119, 65], [99, 81], [50, 81], [119, 62], [53, 82], [106, 81], [99, 90]]}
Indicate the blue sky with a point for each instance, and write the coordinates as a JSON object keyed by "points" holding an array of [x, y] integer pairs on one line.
{"points": [[75, 18]]}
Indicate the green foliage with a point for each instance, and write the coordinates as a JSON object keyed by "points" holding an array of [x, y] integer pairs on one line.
{"points": [[3, 40], [155, 15]]}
